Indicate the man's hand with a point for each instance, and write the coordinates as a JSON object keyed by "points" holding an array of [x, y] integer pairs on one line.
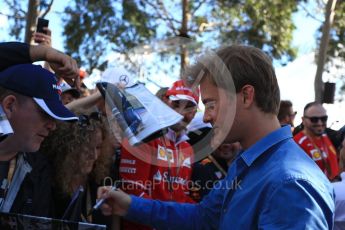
{"points": [[63, 65], [117, 202], [43, 39]]}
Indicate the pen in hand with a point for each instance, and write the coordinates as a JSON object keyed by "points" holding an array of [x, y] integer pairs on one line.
{"points": [[100, 202]]}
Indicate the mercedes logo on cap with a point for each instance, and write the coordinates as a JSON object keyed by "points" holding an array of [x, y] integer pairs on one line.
{"points": [[124, 79]]}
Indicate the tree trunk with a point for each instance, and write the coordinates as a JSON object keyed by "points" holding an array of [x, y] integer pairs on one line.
{"points": [[184, 34], [31, 18], [318, 83]]}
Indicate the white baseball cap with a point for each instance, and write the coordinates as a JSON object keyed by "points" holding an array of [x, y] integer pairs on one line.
{"points": [[117, 75]]}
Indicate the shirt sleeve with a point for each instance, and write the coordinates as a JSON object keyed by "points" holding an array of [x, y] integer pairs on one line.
{"points": [[172, 215], [296, 204], [12, 53]]}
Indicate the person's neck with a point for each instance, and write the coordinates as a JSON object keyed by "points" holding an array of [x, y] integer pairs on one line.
{"points": [[8, 150], [178, 134], [261, 126], [310, 134]]}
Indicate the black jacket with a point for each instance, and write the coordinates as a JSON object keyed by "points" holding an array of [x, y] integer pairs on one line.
{"points": [[35, 193]]}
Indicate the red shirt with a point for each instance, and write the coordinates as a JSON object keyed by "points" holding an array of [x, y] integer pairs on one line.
{"points": [[146, 173], [322, 151]]}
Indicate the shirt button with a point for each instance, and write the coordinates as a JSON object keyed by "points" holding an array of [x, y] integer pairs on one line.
{"points": [[224, 210]]}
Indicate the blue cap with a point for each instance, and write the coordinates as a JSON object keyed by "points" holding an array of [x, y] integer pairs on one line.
{"points": [[40, 84]]}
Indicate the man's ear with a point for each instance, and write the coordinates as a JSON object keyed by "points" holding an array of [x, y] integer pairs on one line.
{"points": [[248, 95], [9, 105], [303, 121]]}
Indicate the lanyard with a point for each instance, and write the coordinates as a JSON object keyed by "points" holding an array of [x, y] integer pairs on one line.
{"points": [[11, 170], [10, 174]]}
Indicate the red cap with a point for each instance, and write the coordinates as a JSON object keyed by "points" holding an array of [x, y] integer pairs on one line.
{"points": [[82, 74], [179, 91]]}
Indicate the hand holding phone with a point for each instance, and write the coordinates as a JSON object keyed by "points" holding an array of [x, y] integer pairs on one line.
{"points": [[42, 36], [41, 23]]}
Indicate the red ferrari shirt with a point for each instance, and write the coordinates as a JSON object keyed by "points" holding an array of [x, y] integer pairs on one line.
{"points": [[322, 151], [160, 169]]}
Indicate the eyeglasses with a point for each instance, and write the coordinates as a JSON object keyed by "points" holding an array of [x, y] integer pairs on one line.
{"points": [[323, 119]]}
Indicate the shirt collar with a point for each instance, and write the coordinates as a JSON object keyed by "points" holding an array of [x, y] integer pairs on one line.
{"points": [[256, 150], [171, 135], [342, 175]]}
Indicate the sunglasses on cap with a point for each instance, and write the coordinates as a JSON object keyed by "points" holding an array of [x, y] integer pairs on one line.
{"points": [[323, 119], [84, 120]]}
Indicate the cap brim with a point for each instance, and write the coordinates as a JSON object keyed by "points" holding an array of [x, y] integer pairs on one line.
{"points": [[56, 110], [179, 97]]}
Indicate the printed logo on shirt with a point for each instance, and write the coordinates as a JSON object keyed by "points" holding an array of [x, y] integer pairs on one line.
{"points": [[174, 179], [165, 154], [128, 170], [186, 162], [316, 155], [128, 161], [157, 176]]}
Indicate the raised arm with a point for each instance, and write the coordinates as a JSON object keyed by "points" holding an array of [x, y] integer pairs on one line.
{"points": [[13, 53], [63, 65]]}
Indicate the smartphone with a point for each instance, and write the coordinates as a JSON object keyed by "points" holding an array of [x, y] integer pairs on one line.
{"points": [[41, 23]]}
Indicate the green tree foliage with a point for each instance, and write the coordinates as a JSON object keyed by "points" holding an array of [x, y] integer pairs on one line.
{"points": [[265, 24], [92, 26], [18, 15]]}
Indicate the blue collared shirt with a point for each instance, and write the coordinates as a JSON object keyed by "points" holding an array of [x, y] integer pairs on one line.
{"points": [[271, 185]]}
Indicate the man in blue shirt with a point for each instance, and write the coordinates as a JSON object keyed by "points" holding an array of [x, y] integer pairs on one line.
{"points": [[272, 184]]}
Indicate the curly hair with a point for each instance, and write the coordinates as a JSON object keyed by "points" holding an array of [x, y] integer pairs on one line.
{"points": [[102, 165], [104, 162], [65, 146]]}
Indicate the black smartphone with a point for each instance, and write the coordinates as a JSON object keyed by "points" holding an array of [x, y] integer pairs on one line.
{"points": [[41, 23]]}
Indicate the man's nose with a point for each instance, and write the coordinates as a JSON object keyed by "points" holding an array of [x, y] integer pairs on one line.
{"points": [[319, 122], [207, 118]]}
